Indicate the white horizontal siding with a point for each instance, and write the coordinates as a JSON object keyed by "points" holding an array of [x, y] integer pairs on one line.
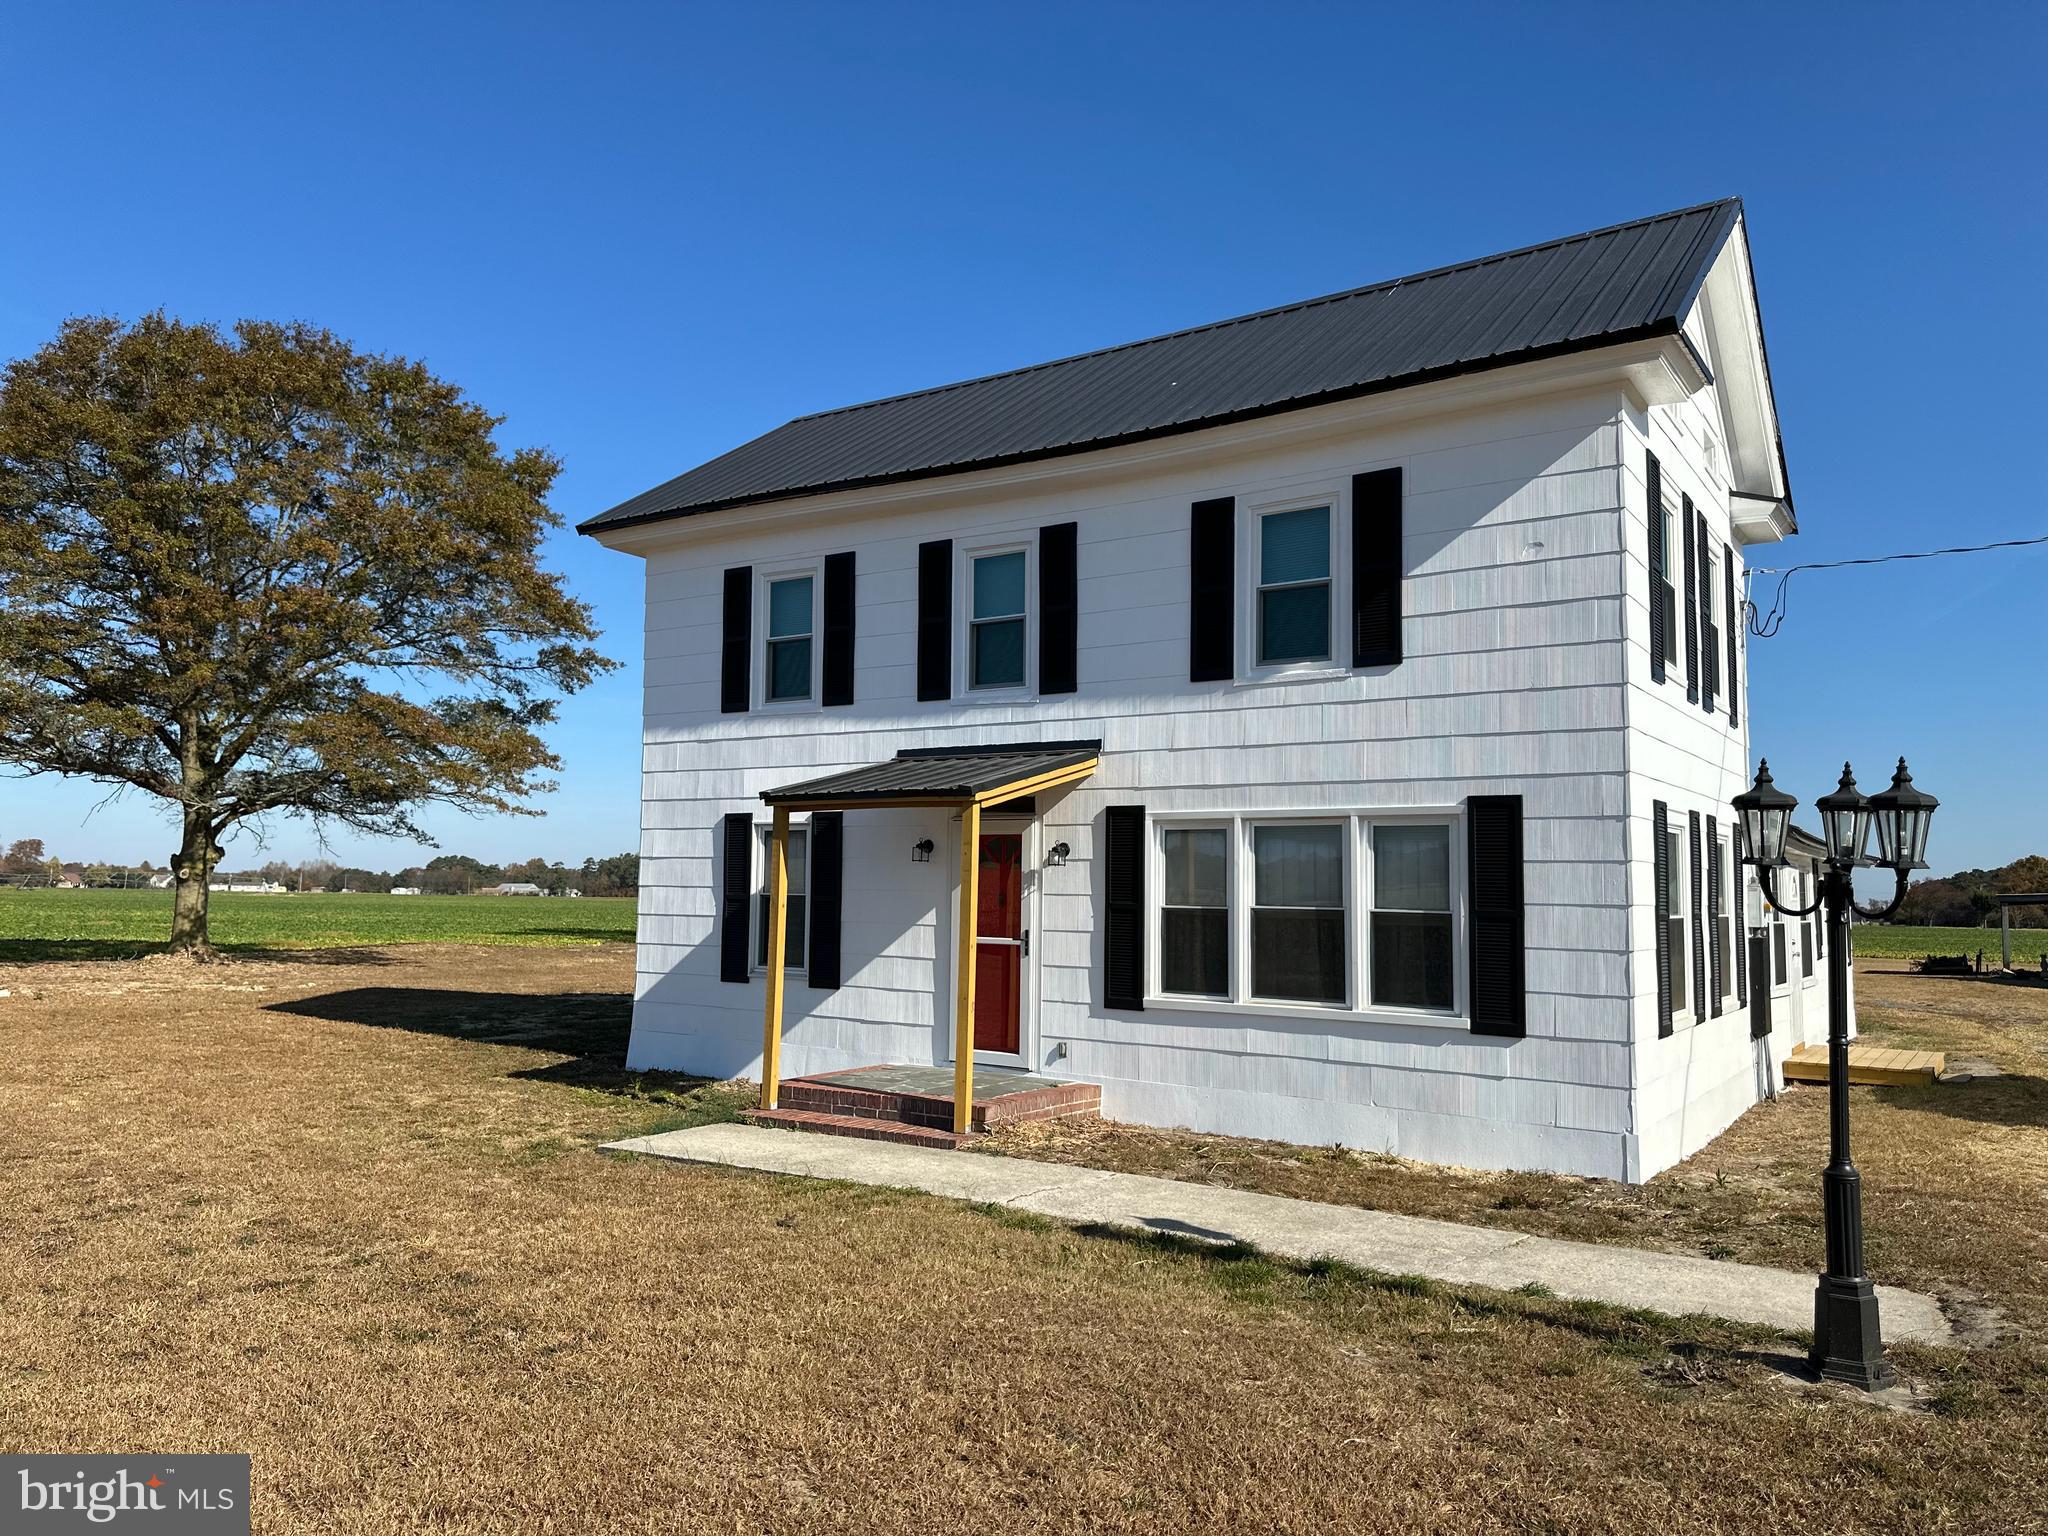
{"points": [[1515, 680], [1691, 1084]]}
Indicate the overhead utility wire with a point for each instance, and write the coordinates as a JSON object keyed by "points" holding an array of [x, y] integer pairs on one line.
{"points": [[1766, 624]]}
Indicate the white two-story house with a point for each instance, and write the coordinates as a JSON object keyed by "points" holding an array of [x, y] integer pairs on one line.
{"points": [[1331, 714]]}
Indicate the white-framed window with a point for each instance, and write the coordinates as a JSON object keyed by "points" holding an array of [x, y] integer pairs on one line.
{"points": [[789, 660], [1295, 574], [1351, 913], [1293, 563], [1299, 952], [1676, 881], [1412, 960], [795, 933], [1664, 583], [1787, 883], [1809, 887], [1725, 935], [1194, 910], [997, 650]]}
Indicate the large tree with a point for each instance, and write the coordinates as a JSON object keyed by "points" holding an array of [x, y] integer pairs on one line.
{"points": [[266, 573]]}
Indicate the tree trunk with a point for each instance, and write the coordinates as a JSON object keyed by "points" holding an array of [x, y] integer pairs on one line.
{"points": [[193, 867]]}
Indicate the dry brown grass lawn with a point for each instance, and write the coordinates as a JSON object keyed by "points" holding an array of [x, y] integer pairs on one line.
{"points": [[345, 1215]]}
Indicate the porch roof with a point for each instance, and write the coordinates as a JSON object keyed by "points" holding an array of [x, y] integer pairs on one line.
{"points": [[974, 775]]}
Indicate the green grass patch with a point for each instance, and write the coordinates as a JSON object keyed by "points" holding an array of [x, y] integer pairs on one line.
{"points": [[108, 925], [1882, 941]]}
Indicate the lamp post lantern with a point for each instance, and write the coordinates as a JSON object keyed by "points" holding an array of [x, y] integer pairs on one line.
{"points": [[1847, 1343]]}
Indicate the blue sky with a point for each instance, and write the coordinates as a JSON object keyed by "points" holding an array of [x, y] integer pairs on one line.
{"points": [[644, 234]]}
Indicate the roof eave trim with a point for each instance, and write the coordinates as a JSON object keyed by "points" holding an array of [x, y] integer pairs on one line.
{"points": [[1669, 325]]}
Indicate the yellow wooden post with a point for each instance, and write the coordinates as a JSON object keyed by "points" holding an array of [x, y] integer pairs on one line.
{"points": [[963, 1016], [778, 930]]}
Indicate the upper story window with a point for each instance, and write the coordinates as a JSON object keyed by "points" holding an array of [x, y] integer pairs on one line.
{"points": [[1292, 622], [1664, 586], [789, 674], [1710, 624], [997, 619]]}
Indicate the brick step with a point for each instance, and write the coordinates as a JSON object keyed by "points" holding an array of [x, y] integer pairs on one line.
{"points": [[936, 1112], [1039, 1104], [867, 1128], [867, 1103]]}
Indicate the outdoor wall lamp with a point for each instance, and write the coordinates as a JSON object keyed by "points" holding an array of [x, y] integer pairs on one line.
{"points": [[921, 851], [1847, 1343], [1056, 855]]}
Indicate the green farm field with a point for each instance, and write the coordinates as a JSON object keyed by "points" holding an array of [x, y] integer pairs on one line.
{"points": [[106, 925], [1878, 941]]}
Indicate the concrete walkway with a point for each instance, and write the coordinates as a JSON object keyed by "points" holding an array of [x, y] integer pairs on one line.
{"points": [[1299, 1229]]}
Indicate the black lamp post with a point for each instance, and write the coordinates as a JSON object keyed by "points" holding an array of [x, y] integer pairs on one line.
{"points": [[1847, 1345]]}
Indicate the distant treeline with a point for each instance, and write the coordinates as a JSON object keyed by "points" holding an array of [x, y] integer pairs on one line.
{"points": [[27, 863], [1969, 898]]}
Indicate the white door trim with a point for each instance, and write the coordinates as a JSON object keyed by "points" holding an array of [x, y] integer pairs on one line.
{"points": [[1027, 981]]}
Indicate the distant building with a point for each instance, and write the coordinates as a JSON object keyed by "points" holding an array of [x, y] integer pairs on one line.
{"points": [[405, 890], [247, 887], [162, 882], [515, 888]]}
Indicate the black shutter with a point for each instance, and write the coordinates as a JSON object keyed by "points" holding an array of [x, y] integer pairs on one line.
{"points": [[1710, 638], [1699, 948], [1660, 642], [1715, 895], [935, 620], [1123, 916], [1059, 604], [1660, 882], [1212, 596], [822, 899], [1760, 1000], [1376, 568], [737, 898], [1734, 622], [1738, 918], [837, 661], [1493, 858], [1692, 601], [734, 686]]}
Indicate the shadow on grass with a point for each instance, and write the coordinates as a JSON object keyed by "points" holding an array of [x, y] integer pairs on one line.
{"points": [[2005, 1100], [43, 951], [589, 1030]]}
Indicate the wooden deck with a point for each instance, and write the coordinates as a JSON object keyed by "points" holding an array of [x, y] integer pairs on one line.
{"points": [[1867, 1064]]}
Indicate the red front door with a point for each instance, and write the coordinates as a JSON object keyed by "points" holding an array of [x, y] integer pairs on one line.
{"points": [[999, 945]]}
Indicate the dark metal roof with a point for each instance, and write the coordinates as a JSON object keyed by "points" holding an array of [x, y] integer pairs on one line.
{"points": [[940, 773], [1618, 284]]}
